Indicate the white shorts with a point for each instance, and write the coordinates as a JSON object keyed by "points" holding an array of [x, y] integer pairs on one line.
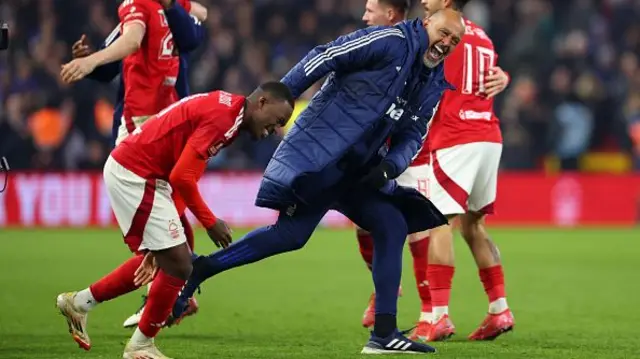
{"points": [[144, 209], [465, 178], [416, 177], [124, 130]]}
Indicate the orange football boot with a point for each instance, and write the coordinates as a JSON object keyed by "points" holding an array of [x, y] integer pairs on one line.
{"points": [[421, 331], [493, 326], [443, 329], [369, 316]]}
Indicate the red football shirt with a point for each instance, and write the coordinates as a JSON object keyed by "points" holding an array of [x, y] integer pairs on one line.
{"points": [[464, 115], [207, 122], [150, 73]]}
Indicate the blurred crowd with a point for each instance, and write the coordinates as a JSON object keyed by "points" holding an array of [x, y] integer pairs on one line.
{"points": [[574, 66]]}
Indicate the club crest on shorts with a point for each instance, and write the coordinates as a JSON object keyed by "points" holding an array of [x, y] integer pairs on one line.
{"points": [[174, 229]]}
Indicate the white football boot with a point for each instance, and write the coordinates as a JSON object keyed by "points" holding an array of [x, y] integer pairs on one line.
{"points": [[76, 319], [134, 319], [146, 350]]}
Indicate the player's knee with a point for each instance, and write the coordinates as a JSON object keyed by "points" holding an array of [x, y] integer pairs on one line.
{"points": [[415, 237], [392, 226], [472, 226], [441, 245], [183, 270], [291, 237]]}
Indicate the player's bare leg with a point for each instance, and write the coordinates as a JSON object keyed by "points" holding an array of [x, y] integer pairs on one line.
{"points": [[419, 246], [487, 256], [440, 272], [174, 269], [133, 320]]}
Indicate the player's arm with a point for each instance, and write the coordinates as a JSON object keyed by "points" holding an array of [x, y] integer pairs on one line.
{"points": [[199, 11], [350, 52], [125, 45], [107, 72], [187, 30], [184, 179], [404, 147], [132, 35]]}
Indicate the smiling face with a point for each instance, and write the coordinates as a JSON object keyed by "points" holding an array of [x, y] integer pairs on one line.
{"points": [[445, 29], [270, 114]]}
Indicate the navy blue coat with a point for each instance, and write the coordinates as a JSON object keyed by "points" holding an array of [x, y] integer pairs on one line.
{"points": [[188, 34], [378, 88]]}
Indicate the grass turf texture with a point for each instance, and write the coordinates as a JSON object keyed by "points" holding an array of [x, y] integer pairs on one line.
{"points": [[574, 294]]}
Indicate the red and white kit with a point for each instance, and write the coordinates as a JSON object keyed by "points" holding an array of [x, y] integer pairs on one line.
{"points": [[138, 172], [149, 74], [457, 169]]}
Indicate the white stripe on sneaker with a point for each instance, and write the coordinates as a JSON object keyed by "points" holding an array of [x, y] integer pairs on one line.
{"points": [[391, 343], [406, 346], [400, 343]]}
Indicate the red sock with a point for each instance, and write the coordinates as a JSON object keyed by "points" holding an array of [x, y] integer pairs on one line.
{"points": [[420, 254], [440, 277], [118, 282], [162, 296], [493, 281], [188, 231], [365, 241]]}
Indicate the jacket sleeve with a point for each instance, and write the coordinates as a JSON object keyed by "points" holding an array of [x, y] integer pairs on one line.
{"points": [[107, 72], [347, 53], [405, 145], [188, 32]]}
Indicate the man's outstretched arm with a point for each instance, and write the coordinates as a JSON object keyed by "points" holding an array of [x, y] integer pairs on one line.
{"points": [[350, 52]]}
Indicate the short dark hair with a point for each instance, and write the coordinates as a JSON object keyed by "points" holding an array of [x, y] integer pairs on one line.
{"points": [[279, 91], [401, 6], [459, 4]]}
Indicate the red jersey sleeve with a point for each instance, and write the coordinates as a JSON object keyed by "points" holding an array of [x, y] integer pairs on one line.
{"points": [[134, 11], [184, 178], [217, 125], [206, 138], [186, 4]]}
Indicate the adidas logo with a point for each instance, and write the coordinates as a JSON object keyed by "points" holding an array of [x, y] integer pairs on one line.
{"points": [[398, 344]]}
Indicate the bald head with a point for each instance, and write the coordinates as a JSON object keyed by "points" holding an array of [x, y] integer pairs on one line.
{"points": [[445, 28]]}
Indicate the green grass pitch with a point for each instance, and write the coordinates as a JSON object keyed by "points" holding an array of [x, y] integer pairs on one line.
{"points": [[574, 294]]}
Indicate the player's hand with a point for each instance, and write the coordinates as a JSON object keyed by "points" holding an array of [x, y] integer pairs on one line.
{"points": [[377, 177], [146, 271], [77, 69], [220, 234], [496, 81], [81, 48]]}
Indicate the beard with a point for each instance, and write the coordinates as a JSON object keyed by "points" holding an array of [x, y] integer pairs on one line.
{"points": [[429, 62], [434, 56]]}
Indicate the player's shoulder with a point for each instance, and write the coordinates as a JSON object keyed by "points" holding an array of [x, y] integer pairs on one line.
{"points": [[226, 102], [138, 6], [376, 35], [475, 34]]}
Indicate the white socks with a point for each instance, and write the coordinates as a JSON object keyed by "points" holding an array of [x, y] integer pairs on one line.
{"points": [[439, 312], [140, 339], [426, 317], [84, 300], [498, 306]]}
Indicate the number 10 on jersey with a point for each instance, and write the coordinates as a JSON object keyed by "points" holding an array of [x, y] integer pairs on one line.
{"points": [[477, 61]]}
